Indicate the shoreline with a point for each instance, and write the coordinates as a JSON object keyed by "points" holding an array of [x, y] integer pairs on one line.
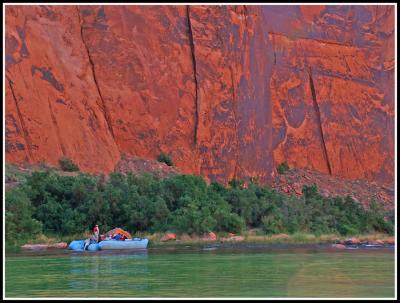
{"points": [[156, 242], [212, 248]]}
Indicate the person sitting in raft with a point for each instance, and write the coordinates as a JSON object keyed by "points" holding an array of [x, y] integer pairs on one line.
{"points": [[93, 238]]}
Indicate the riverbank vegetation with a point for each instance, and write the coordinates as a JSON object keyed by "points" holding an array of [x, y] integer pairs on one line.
{"points": [[50, 204]]}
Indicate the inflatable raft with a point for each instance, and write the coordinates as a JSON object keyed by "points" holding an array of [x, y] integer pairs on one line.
{"points": [[127, 244], [135, 243], [78, 245]]}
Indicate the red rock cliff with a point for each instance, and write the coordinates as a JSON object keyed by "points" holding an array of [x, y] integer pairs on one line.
{"points": [[228, 91], [333, 89]]}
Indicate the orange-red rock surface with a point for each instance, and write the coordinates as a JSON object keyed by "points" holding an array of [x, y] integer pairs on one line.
{"points": [[332, 89], [227, 91], [52, 104]]}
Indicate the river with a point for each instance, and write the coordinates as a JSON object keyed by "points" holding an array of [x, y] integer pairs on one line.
{"points": [[210, 271]]}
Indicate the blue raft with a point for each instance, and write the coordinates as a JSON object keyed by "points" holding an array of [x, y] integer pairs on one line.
{"points": [[135, 243], [127, 244], [78, 245]]}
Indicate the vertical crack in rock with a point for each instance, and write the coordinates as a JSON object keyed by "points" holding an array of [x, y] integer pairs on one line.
{"points": [[273, 46], [236, 124], [318, 115], [27, 138], [196, 114], [53, 118], [102, 106], [245, 13]]}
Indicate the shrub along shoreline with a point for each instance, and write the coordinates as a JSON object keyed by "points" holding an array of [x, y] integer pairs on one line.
{"points": [[54, 206]]}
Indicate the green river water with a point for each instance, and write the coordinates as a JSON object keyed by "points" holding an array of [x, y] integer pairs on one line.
{"points": [[203, 272]]}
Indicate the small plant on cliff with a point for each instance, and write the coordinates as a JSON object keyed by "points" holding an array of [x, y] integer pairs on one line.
{"points": [[163, 157], [282, 168], [236, 183], [66, 164]]}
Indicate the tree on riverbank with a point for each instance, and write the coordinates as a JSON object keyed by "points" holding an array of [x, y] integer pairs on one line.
{"points": [[66, 205]]}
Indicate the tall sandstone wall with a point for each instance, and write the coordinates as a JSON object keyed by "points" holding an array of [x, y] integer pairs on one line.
{"points": [[333, 89], [228, 91]]}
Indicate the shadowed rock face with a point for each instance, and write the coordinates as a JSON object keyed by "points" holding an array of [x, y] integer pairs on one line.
{"points": [[227, 91]]}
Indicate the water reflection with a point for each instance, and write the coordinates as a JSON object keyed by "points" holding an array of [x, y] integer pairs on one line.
{"points": [[342, 274], [203, 273], [108, 271], [322, 276]]}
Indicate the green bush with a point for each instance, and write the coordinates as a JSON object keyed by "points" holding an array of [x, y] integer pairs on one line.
{"points": [[273, 224], [67, 205], [282, 168], [163, 157], [18, 216], [66, 164], [234, 183], [375, 219]]}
